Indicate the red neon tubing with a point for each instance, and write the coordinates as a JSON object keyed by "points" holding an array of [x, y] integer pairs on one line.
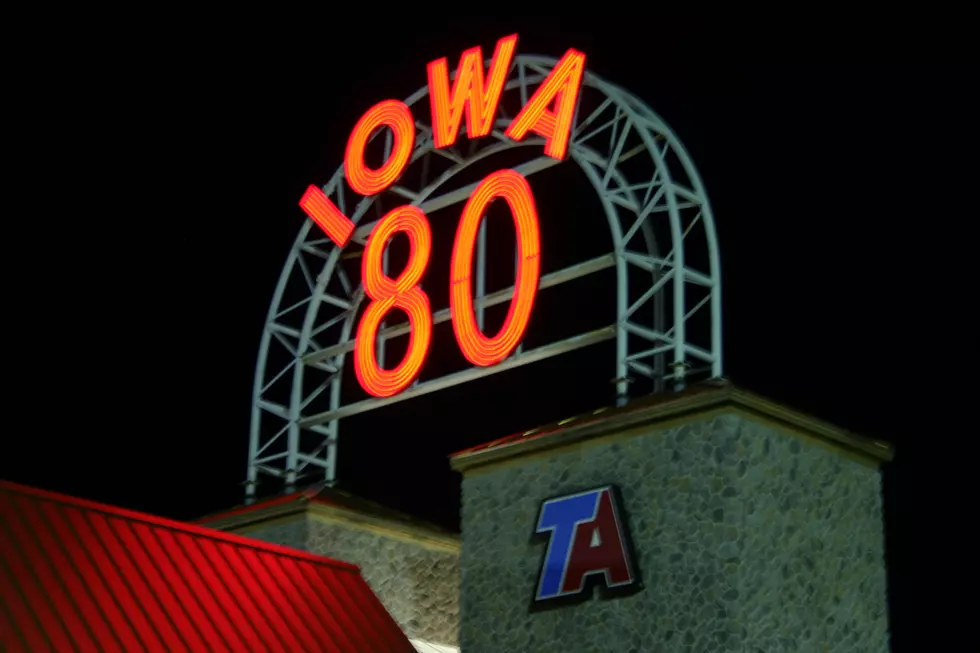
{"points": [[387, 294], [479, 349]]}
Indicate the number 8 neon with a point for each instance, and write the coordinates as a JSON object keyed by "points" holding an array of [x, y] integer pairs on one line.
{"points": [[404, 292], [387, 294]]}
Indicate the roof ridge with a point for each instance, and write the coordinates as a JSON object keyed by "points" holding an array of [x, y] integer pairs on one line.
{"points": [[173, 524], [333, 497], [384, 511]]}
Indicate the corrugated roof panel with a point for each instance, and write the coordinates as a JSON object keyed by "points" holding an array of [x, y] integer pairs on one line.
{"points": [[28, 631], [81, 576], [7, 634], [154, 627]]}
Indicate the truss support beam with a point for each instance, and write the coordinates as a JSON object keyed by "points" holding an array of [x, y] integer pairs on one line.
{"points": [[471, 374], [459, 195], [570, 273]]}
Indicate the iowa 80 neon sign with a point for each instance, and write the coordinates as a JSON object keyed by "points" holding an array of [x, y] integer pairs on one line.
{"points": [[549, 113]]}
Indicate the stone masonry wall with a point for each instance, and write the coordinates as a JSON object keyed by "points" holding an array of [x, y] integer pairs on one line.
{"points": [[294, 534], [747, 539], [418, 584]]}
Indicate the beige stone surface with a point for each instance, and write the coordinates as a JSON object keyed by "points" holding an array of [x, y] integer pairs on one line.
{"points": [[748, 539], [417, 582]]}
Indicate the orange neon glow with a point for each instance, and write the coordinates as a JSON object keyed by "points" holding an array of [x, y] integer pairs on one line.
{"points": [[562, 87], [476, 347], [387, 294], [323, 212], [398, 117], [470, 92]]}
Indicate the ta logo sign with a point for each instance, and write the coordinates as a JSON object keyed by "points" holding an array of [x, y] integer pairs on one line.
{"points": [[588, 545]]}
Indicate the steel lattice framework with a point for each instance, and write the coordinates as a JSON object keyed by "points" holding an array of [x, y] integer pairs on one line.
{"points": [[651, 195]]}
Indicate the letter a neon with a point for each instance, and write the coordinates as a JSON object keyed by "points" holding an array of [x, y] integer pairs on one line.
{"points": [[562, 87], [479, 98]]}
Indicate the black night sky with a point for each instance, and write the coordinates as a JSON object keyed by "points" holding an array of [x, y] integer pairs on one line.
{"points": [[167, 175]]}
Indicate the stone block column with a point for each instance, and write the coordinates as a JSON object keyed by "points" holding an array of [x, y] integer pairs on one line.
{"points": [[755, 529]]}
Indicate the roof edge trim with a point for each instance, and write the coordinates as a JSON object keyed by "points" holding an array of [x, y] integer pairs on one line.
{"points": [[184, 527], [597, 425]]}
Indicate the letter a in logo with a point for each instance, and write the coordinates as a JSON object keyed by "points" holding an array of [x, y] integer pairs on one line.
{"points": [[588, 545]]}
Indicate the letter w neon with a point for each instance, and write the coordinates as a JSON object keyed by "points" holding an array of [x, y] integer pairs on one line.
{"points": [[480, 98]]}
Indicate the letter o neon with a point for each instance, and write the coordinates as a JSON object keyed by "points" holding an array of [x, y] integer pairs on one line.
{"points": [[476, 347], [397, 116]]}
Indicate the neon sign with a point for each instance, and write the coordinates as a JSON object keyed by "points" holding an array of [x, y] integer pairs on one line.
{"points": [[662, 318], [476, 93]]}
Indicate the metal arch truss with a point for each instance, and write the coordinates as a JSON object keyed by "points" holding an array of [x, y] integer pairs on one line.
{"points": [[651, 195]]}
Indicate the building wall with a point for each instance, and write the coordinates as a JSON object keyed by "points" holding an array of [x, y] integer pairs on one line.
{"points": [[418, 582], [294, 533], [747, 539]]}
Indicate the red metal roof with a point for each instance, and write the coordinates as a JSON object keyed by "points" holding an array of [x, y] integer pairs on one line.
{"points": [[82, 576]]}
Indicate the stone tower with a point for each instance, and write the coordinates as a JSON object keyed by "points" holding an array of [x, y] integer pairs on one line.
{"points": [[754, 528]]}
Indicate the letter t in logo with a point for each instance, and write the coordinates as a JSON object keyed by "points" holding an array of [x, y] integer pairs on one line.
{"points": [[588, 538]]}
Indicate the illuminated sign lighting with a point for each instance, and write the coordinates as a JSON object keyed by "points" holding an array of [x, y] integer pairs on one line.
{"points": [[396, 116], [477, 95], [588, 545], [666, 330], [479, 100], [327, 216], [514, 189], [387, 294]]}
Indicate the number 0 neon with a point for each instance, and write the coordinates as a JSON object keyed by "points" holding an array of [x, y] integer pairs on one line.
{"points": [[478, 348]]}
